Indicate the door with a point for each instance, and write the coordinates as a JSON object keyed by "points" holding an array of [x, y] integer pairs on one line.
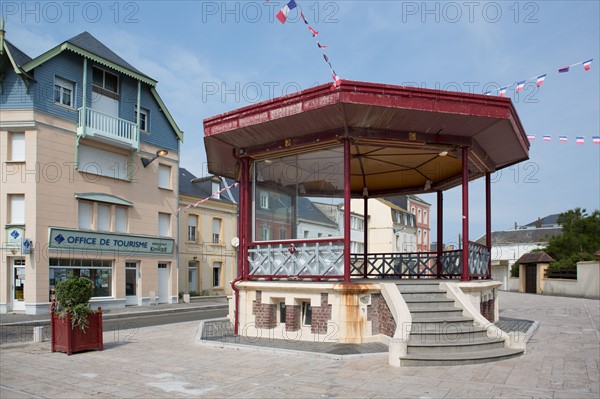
{"points": [[531, 279], [163, 283], [18, 284], [131, 283]]}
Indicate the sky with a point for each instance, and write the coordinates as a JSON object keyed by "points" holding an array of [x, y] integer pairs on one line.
{"points": [[211, 57]]}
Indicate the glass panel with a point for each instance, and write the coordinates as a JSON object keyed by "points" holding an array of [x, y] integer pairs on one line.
{"points": [[17, 208], [120, 219], [85, 215], [103, 217], [17, 146], [164, 176], [19, 283], [300, 194], [98, 77], [130, 281], [111, 82]]}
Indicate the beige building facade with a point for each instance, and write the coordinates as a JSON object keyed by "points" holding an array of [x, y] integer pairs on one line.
{"points": [[78, 195], [207, 234]]}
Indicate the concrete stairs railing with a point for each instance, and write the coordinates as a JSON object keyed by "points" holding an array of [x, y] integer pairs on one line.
{"points": [[442, 333]]}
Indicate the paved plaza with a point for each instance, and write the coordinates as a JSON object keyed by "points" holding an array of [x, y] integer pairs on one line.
{"points": [[562, 361]]}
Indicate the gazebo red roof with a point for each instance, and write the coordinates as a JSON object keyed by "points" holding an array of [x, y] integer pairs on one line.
{"points": [[401, 136]]}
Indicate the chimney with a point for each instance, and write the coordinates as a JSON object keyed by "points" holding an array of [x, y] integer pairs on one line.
{"points": [[538, 223], [516, 226]]}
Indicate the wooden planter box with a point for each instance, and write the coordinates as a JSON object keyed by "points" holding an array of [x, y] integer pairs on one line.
{"points": [[71, 340]]}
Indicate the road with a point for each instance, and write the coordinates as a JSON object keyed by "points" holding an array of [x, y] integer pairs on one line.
{"points": [[123, 328]]}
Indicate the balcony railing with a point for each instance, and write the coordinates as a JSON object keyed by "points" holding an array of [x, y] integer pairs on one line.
{"points": [[108, 128], [325, 259]]}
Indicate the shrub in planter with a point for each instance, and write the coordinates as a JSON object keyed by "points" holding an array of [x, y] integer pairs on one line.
{"points": [[75, 326]]}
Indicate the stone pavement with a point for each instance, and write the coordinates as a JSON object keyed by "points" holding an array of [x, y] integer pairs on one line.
{"points": [[562, 361]]}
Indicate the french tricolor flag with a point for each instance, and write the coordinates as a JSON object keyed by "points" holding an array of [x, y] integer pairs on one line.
{"points": [[540, 80], [283, 13], [564, 69], [563, 139], [547, 138], [520, 86], [587, 64], [579, 140], [502, 91], [530, 137], [596, 139]]}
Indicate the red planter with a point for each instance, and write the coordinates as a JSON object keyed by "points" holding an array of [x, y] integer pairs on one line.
{"points": [[71, 339]]}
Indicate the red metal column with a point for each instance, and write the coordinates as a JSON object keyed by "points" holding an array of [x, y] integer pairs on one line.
{"points": [[366, 236], [440, 232], [465, 214], [346, 210], [246, 213], [488, 221]]}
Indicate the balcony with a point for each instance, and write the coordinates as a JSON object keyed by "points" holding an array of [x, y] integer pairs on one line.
{"points": [[107, 128]]}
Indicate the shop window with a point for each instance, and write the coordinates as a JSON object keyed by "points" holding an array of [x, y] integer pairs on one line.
{"points": [[98, 271]]}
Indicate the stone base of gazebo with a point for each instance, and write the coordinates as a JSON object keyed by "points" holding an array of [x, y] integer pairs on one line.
{"points": [[358, 312]]}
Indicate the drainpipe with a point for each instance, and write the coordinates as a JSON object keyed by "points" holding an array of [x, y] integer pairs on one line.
{"points": [[240, 249], [83, 118], [236, 312]]}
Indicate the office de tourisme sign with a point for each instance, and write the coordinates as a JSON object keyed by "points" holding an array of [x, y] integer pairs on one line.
{"points": [[87, 240]]}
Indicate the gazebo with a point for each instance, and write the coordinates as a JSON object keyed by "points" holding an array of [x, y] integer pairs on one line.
{"points": [[343, 146]]}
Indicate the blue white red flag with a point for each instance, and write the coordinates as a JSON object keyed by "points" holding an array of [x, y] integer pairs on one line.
{"points": [[283, 13], [587, 64], [564, 69], [530, 137], [563, 139], [540, 80], [502, 91], [596, 139], [520, 86], [579, 140], [547, 138]]}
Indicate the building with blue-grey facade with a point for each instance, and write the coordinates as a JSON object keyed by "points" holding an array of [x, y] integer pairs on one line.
{"points": [[90, 162]]}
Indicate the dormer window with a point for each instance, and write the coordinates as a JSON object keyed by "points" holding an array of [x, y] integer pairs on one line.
{"points": [[216, 187], [63, 91], [105, 82]]}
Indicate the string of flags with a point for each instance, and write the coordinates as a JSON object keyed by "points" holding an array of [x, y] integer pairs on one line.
{"points": [[565, 139], [538, 79], [282, 16], [216, 194]]}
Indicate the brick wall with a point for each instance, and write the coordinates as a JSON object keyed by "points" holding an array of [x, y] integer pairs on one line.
{"points": [[320, 316], [266, 314], [381, 318], [487, 309], [292, 317]]}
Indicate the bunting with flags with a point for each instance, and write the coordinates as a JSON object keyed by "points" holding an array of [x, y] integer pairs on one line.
{"points": [[214, 195], [538, 79], [282, 17], [564, 138]]}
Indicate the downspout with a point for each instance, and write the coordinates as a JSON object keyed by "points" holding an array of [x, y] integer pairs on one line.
{"points": [[236, 312], [137, 130], [83, 118]]}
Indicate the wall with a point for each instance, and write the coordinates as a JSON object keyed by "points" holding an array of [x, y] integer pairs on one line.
{"points": [[587, 284]]}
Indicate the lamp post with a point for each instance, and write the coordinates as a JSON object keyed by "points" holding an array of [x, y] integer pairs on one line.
{"points": [[159, 153]]}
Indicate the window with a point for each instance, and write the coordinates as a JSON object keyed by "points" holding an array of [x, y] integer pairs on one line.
{"points": [[98, 271], [216, 231], [103, 217], [306, 233], [85, 213], [143, 119], [216, 187], [419, 236], [164, 224], [120, 219], [16, 203], [216, 275], [306, 314], [265, 233], [104, 81], [164, 176], [282, 312], [264, 200], [425, 237], [419, 219], [425, 217], [101, 162], [63, 92], [192, 226], [192, 275], [16, 146], [282, 234]]}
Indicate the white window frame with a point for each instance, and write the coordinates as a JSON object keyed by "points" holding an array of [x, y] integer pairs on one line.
{"points": [[216, 268], [215, 188], [192, 233], [164, 224], [264, 200], [144, 113], [16, 146], [164, 176], [103, 86], [65, 89], [216, 229], [16, 204], [306, 311]]}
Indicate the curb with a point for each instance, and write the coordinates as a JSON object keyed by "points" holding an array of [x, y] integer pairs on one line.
{"points": [[109, 316]]}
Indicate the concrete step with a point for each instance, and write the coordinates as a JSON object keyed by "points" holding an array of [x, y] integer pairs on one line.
{"points": [[443, 348], [418, 287], [447, 335], [454, 359], [433, 303], [417, 295], [428, 313], [459, 323]]}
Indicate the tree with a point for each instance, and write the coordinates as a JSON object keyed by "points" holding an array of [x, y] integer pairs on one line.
{"points": [[579, 241]]}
